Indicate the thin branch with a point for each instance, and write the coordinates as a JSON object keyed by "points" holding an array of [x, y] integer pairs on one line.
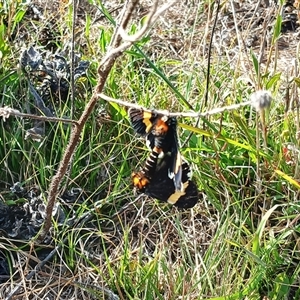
{"points": [[114, 48], [150, 20], [209, 54], [123, 17], [72, 69], [142, 31], [208, 69], [179, 114], [7, 111]]}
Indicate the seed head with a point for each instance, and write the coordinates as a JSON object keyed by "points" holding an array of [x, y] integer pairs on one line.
{"points": [[261, 100]]}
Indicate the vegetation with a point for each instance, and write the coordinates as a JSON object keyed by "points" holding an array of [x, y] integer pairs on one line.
{"points": [[239, 242]]}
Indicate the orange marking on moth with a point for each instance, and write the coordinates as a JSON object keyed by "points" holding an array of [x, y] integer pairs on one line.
{"points": [[161, 127], [139, 180]]}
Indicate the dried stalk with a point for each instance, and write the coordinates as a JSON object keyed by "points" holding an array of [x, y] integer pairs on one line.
{"points": [[180, 114], [6, 112]]}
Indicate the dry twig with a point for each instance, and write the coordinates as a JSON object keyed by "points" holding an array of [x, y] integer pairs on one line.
{"points": [[6, 112], [179, 114]]}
